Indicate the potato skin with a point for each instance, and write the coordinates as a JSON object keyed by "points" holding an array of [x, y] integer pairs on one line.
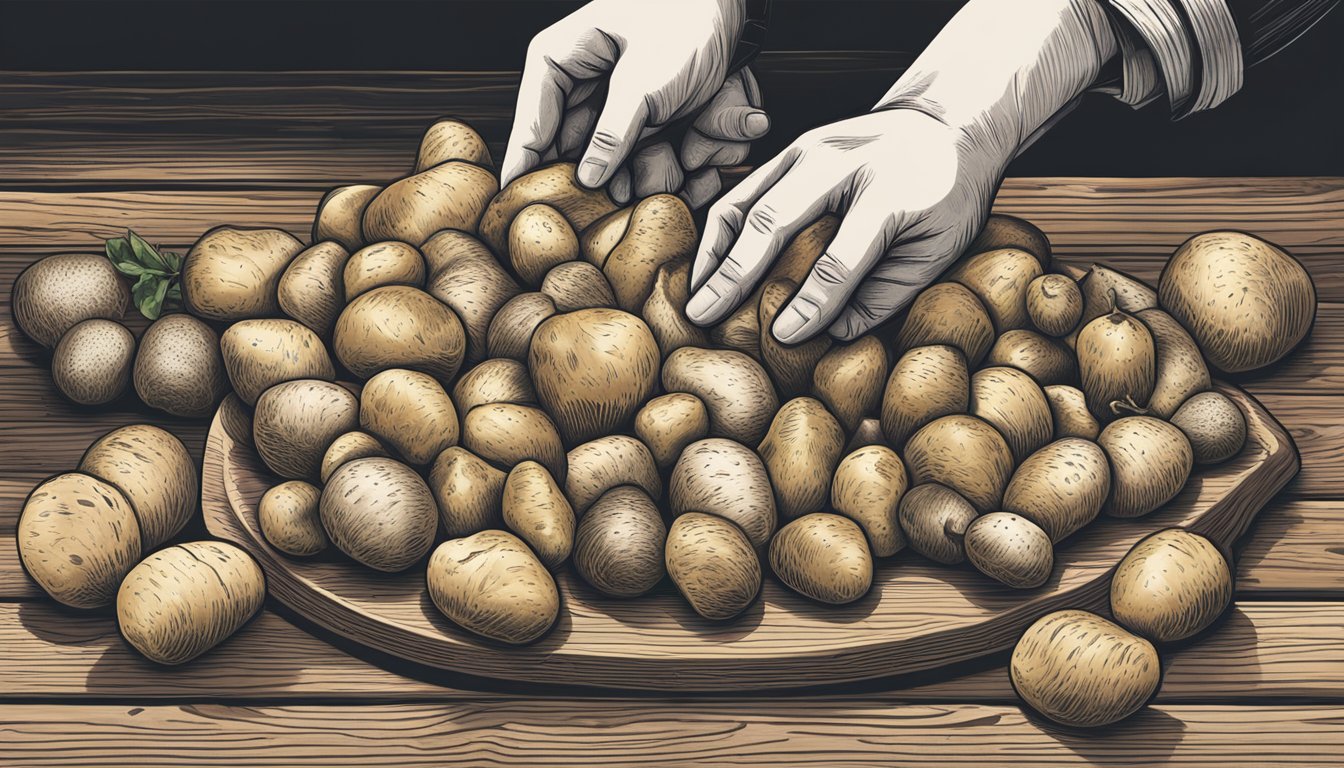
{"points": [[1054, 304], [1068, 407], [1061, 487], [511, 329], [539, 239], [1171, 585], [535, 509], [289, 519], [380, 513], [868, 486], [1000, 278], [599, 465], [925, 384], [1150, 462], [92, 362], [934, 519], [77, 538], [233, 274], [791, 366], [311, 287], [184, 600], [179, 368], [824, 557], [725, 478], [258, 354], [1010, 401], [450, 195], [505, 434], [1215, 426], [577, 285], [471, 282], [1046, 360], [619, 544], [450, 139], [713, 564], [948, 313], [850, 379], [468, 492], [296, 421], [800, 452], [1010, 549], [735, 389], [409, 411], [1117, 361], [554, 185], [53, 295], [1081, 670], [661, 229], [153, 470], [348, 447], [1004, 231], [964, 453], [498, 380], [340, 215], [1180, 368], [669, 423], [491, 584], [397, 326], [379, 264], [665, 309]]}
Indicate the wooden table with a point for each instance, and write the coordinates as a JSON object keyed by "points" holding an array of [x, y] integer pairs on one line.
{"points": [[82, 156]]}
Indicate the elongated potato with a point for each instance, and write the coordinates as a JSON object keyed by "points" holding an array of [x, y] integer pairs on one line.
{"points": [[233, 274], [727, 479], [597, 466], [948, 313], [713, 564], [735, 389], [1061, 487], [468, 491], [535, 509], [450, 195], [868, 486], [311, 287], [386, 263], [539, 239], [1012, 403], [380, 513], [295, 421], [824, 557], [409, 411], [258, 354], [512, 327], [289, 519], [1180, 371], [506, 434], [153, 470], [619, 544], [397, 326], [1171, 585], [1068, 406], [669, 423], [1214, 425], [1150, 462], [665, 309], [850, 378], [1044, 359], [471, 282], [800, 452], [1010, 549], [925, 384], [491, 584], [1000, 279], [964, 453], [791, 366], [499, 380], [340, 215], [554, 185]]}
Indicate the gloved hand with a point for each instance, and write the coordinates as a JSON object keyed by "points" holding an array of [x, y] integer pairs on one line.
{"points": [[658, 62]]}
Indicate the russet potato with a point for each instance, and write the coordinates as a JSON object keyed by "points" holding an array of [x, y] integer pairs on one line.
{"points": [[824, 557], [233, 274], [713, 565], [491, 584], [801, 451]]}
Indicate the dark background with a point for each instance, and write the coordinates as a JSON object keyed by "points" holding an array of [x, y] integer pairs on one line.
{"points": [[1286, 121]]}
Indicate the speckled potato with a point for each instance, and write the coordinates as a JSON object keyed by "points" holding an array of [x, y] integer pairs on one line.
{"points": [[964, 453], [669, 423], [346, 448], [311, 288], [450, 139], [1081, 670], [51, 296], [1010, 549], [735, 389], [1046, 360], [409, 411], [801, 451], [665, 309], [505, 434], [296, 421], [1054, 304], [93, 360], [511, 329], [340, 215], [540, 238], [868, 486], [233, 274], [1003, 231], [397, 326], [179, 368], [77, 538], [791, 366], [1171, 585], [184, 600], [1214, 425], [934, 519], [713, 564], [618, 547], [1116, 363], [1011, 402], [1000, 279], [577, 285], [258, 354], [535, 509], [289, 518], [386, 263], [450, 195], [724, 478], [925, 384], [1061, 487], [554, 185], [948, 313], [236, 418], [1179, 367], [467, 278], [380, 513], [597, 466], [468, 492], [491, 584], [660, 229], [592, 370], [824, 557], [1068, 406], [850, 379], [1150, 462], [1246, 301], [499, 380], [153, 470]]}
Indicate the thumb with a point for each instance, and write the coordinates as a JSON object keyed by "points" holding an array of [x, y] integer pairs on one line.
{"points": [[617, 129], [733, 123]]}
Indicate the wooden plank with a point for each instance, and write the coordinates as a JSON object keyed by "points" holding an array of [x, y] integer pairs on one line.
{"points": [[820, 732]]}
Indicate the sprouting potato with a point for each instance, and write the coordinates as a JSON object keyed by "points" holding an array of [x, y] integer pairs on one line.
{"points": [[1055, 304]]}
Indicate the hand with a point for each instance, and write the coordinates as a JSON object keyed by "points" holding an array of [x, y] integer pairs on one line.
{"points": [[911, 192], [658, 62]]}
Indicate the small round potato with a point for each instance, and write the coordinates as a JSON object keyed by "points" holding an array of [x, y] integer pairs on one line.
{"points": [[555, 185], [92, 362], [800, 452], [179, 368], [618, 547], [491, 584], [713, 564], [599, 465], [539, 239], [1010, 549], [387, 263], [824, 557], [258, 354], [380, 513], [868, 486], [1171, 585], [1054, 304], [728, 479], [669, 423], [1042, 358], [295, 423], [505, 434], [53, 295], [735, 389], [535, 509], [409, 411], [467, 490], [348, 447], [1214, 425], [289, 518], [153, 470], [934, 519]]}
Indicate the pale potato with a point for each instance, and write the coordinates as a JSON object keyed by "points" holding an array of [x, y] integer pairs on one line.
{"points": [[1010, 549], [925, 384], [93, 361], [824, 557], [152, 469], [258, 354], [619, 544], [450, 195], [597, 466], [233, 274], [411, 412], [380, 513], [535, 509], [54, 294], [735, 389], [539, 239], [295, 422], [728, 479]]}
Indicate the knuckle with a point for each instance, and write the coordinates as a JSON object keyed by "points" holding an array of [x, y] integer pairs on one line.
{"points": [[830, 270], [763, 218]]}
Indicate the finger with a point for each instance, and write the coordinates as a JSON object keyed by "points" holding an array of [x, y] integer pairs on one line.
{"points": [[576, 128], [617, 128], [726, 216], [540, 107], [750, 87], [904, 272], [733, 123], [699, 151], [655, 170], [620, 187], [701, 187]]}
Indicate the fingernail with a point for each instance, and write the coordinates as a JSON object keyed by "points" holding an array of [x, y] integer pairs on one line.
{"points": [[699, 305], [758, 124], [788, 324], [590, 173]]}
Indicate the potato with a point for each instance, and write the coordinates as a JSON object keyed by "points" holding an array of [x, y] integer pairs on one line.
{"points": [[964, 453], [824, 557], [1010, 549], [397, 326], [1150, 462], [926, 383], [592, 370], [1246, 301], [618, 547], [1214, 425], [554, 185], [295, 421], [790, 366], [77, 538], [340, 215], [540, 238], [1081, 670], [934, 519], [1180, 371], [1068, 406], [1003, 231], [713, 565], [409, 411], [1117, 362], [999, 279], [665, 309], [661, 230], [948, 313], [450, 195], [236, 418], [1054, 304], [348, 447], [93, 360], [471, 282], [491, 584], [512, 327], [850, 378], [179, 368], [724, 478], [869, 432], [505, 434], [184, 600], [500, 380], [468, 491], [451, 245], [450, 139], [258, 354], [233, 274], [669, 423], [311, 287], [599, 465], [289, 518], [536, 510], [380, 513], [1106, 290], [867, 488], [153, 470], [577, 285], [1061, 487], [1044, 359], [1171, 585], [51, 296], [387, 263], [735, 389], [1011, 402], [601, 237], [800, 452]]}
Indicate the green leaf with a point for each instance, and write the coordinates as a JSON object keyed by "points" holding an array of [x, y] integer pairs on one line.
{"points": [[151, 302], [173, 260], [145, 253], [174, 292], [119, 251]]}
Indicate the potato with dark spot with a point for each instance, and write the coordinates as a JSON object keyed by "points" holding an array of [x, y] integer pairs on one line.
{"points": [[409, 411], [535, 509], [153, 470], [258, 354], [934, 519], [51, 296], [867, 488], [727, 479], [618, 547], [1010, 549], [713, 564], [93, 360], [296, 421], [800, 452], [468, 492], [289, 518], [926, 383], [179, 368], [1214, 425], [348, 447], [397, 326], [491, 584], [387, 263], [599, 465], [380, 513], [1171, 585], [850, 378], [233, 274], [450, 195], [1054, 304], [669, 423], [824, 557], [313, 284], [735, 389], [506, 434]]}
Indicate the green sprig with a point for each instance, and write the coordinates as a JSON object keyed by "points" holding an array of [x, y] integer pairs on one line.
{"points": [[155, 270]]}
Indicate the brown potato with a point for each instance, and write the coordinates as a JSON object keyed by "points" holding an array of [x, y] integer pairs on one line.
{"points": [[1061, 487], [1003, 231], [735, 389], [926, 383], [450, 195], [450, 139], [1180, 371], [346, 448], [179, 368], [1068, 406], [471, 282], [536, 510], [311, 287], [491, 584], [601, 237], [380, 513], [499, 380], [661, 229], [340, 215], [1150, 462], [1171, 585], [554, 185], [934, 519], [1010, 549], [619, 544], [505, 434], [51, 296], [868, 486], [577, 285], [1044, 359], [713, 565], [153, 470], [1011, 402], [964, 453], [295, 422], [850, 378], [258, 354], [468, 492], [597, 466], [724, 478], [397, 326], [824, 557], [386, 263], [409, 411], [1214, 425], [289, 518], [1116, 362], [665, 309], [948, 313], [669, 423], [800, 452], [540, 238], [1054, 304], [1000, 279], [1106, 290], [791, 367], [93, 361], [511, 329], [233, 274]]}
